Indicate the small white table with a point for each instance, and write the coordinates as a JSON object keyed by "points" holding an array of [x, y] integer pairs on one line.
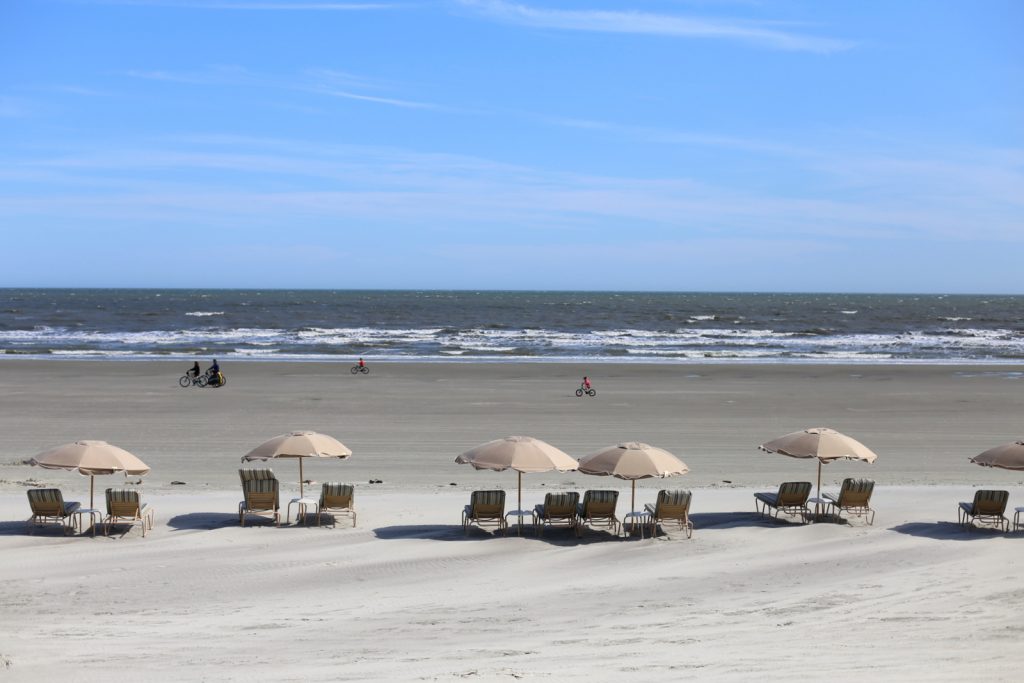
{"points": [[642, 518], [820, 505], [520, 514], [95, 516], [1017, 524], [304, 505]]}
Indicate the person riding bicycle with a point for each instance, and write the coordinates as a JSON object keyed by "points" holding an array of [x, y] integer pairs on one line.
{"points": [[214, 373], [194, 371], [362, 363], [586, 383]]}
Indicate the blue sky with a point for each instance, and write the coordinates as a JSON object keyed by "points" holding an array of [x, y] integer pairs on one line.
{"points": [[482, 144]]}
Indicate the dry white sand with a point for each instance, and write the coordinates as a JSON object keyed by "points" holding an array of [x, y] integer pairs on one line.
{"points": [[407, 596]]}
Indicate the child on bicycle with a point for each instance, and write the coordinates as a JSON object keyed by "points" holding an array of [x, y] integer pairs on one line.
{"points": [[586, 383]]}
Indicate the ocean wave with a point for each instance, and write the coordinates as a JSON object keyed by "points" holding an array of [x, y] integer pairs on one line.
{"points": [[204, 314], [481, 342]]}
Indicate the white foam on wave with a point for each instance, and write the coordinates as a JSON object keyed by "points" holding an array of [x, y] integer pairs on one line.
{"points": [[204, 314]]}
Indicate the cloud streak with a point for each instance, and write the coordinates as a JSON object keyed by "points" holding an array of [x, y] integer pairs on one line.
{"points": [[317, 81], [644, 23], [274, 181]]}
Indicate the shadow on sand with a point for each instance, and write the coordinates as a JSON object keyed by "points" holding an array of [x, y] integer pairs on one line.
{"points": [[23, 528], [948, 531], [205, 521], [735, 520], [454, 532]]}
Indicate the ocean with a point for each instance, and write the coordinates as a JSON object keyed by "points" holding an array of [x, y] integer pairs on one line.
{"points": [[132, 324]]}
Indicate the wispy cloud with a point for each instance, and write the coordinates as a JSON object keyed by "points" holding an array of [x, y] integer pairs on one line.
{"points": [[325, 82], [679, 137], [764, 34], [279, 182]]}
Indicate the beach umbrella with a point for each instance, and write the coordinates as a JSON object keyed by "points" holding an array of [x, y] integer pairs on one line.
{"points": [[632, 461], [90, 458], [821, 443], [524, 454], [1008, 456], [299, 445]]}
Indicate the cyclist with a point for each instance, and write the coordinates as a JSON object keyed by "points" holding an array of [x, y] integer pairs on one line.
{"points": [[362, 363], [214, 373], [194, 371], [586, 383]]}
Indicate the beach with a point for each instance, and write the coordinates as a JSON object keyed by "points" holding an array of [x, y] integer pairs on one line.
{"points": [[407, 596]]}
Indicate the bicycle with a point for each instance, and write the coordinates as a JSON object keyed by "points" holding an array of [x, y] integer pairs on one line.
{"points": [[189, 380], [222, 380], [356, 369], [584, 390]]}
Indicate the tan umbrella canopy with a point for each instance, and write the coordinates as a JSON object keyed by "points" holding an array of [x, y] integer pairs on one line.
{"points": [[822, 443], [1008, 456], [632, 461], [90, 458], [299, 445], [519, 453]]}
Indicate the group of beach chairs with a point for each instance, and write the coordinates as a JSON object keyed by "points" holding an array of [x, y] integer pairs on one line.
{"points": [[486, 509], [124, 506], [854, 499], [596, 510], [261, 497]]}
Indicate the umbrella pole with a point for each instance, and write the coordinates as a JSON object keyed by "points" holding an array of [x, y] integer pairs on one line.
{"points": [[519, 505], [817, 504], [300, 478], [632, 502], [92, 480]]}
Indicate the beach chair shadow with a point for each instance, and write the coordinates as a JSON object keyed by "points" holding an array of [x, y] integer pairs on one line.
{"points": [[735, 520], [946, 531], [429, 532], [202, 521], [20, 528]]}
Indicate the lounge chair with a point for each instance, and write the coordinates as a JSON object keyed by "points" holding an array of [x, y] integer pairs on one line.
{"points": [[486, 508], [559, 509], [337, 499], [260, 491], [48, 507], [598, 510], [854, 498], [672, 507], [987, 508], [124, 506], [791, 499]]}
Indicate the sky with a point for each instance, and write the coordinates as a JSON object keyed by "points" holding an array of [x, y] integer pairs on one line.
{"points": [[669, 145]]}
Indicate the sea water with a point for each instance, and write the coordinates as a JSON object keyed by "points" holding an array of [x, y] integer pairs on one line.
{"points": [[510, 326]]}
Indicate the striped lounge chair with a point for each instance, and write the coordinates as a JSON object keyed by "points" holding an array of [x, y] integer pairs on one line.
{"points": [[558, 509], [598, 510], [486, 508], [260, 494], [986, 508], [48, 507], [337, 499], [125, 506], [671, 508], [790, 499], [854, 498]]}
